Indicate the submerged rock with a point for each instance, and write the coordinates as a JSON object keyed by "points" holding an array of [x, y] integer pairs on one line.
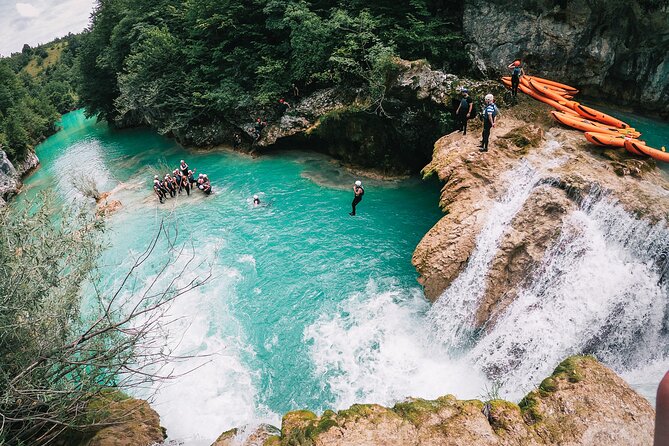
{"points": [[582, 403]]}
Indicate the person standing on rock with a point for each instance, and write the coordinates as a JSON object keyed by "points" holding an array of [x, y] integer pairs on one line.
{"points": [[359, 192], [464, 111], [489, 115], [516, 72]]}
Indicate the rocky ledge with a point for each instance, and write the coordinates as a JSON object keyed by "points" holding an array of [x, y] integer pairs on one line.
{"points": [[569, 170], [582, 403], [10, 176]]}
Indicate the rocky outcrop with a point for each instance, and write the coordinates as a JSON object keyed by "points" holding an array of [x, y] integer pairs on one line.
{"points": [[10, 177], [396, 137], [473, 181], [131, 422], [263, 435], [614, 49], [582, 403]]}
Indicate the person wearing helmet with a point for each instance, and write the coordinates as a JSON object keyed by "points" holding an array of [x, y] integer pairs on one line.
{"points": [[516, 72], [169, 186], [463, 111], [489, 115], [359, 192], [158, 188], [256, 200], [191, 177], [183, 167]]}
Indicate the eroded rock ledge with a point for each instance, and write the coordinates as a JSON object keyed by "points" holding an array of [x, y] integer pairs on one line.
{"points": [[570, 169], [582, 403]]}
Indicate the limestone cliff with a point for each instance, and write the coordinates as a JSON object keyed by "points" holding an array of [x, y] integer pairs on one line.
{"points": [[10, 176], [582, 403], [615, 50], [474, 180]]}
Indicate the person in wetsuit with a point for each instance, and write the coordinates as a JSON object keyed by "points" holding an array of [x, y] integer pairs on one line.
{"points": [[516, 73], [463, 111], [259, 125], [177, 180], [256, 200], [185, 183], [167, 184], [191, 177], [158, 189], [359, 192], [183, 167], [206, 185], [489, 115]]}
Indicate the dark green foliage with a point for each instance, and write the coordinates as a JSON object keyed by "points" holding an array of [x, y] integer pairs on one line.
{"points": [[35, 86], [182, 64]]}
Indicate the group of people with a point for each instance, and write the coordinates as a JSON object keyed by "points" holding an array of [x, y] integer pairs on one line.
{"points": [[465, 110], [181, 179]]}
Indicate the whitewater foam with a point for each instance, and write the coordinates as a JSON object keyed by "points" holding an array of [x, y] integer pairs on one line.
{"points": [[375, 348]]}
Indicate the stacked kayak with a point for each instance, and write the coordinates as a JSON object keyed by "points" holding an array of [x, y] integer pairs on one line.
{"points": [[599, 128]]}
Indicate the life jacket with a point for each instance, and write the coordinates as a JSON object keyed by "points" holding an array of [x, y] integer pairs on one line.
{"points": [[516, 72]]}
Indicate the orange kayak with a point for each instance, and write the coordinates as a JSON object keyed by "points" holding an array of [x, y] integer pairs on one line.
{"points": [[596, 115], [551, 94], [530, 92], [639, 146], [586, 125], [607, 139], [567, 88], [560, 91]]}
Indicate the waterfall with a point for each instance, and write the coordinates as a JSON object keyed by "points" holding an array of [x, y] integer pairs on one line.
{"points": [[452, 315], [600, 289]]}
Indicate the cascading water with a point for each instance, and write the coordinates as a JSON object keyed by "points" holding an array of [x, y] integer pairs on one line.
{"points": [[452, 315], [600, 290]]}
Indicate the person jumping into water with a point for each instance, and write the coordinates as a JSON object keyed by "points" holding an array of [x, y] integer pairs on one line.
{"points": [[359, 192], [516, 72]]}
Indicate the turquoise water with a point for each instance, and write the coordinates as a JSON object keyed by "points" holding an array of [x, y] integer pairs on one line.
{"points": [[307, 308]]}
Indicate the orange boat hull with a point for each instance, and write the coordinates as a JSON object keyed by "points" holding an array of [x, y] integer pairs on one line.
{"points": [[580, 123], [659, 155], [567, 88], [596, 115], [530, 92], [607, 139]]}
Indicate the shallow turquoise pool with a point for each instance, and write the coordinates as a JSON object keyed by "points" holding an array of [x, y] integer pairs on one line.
{"points": [[308, 307]]}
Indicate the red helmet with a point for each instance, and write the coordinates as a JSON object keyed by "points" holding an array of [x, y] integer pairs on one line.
{"points": [[516, 63]]}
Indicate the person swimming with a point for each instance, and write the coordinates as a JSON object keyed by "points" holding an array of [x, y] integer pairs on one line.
{"points": [[359, 192], [256, 200]]}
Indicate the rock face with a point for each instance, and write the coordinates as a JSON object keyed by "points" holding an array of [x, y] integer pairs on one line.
{"points": [[582, 403], [571, 169], [10, 177], [135, 423], [609, 49], [263, 435], [396, 138]]}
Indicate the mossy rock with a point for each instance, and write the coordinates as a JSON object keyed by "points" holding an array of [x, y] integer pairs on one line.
{"points": [[272, 441], [418, 410], [530, 407], [571, 368], [524, 137], [503, 415]]}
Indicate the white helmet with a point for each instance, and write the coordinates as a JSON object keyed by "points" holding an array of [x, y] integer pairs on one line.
{"points": [[155, 177], [200, 176], [358, 183], [255, 197], [489, 97], [183, 161]]}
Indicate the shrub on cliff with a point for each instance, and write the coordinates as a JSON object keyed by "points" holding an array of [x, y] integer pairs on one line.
{"points": [[64, 344]]}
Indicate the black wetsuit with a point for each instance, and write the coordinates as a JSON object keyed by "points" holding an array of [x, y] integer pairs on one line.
{"points": [[463, 114], [185, 183], [158, 189], [184, 169], [167, 184], [256, 201], [515, 81], [206, 188], [359, 192], [191, 179]]}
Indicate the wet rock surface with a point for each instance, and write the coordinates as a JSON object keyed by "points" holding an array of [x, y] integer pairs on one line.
{"points": [[582, 403]]}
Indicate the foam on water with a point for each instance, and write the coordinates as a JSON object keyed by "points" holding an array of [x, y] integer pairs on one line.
{"points": [[376, 348]]}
